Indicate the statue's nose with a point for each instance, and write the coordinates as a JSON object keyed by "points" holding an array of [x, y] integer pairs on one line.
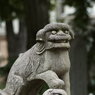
{"points": [[61, 33]]}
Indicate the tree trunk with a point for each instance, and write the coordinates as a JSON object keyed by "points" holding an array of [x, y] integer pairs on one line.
{"points": [[16, 43], [36, 12], [21, 38], [10, 39], [91, 67], [78, 56]]}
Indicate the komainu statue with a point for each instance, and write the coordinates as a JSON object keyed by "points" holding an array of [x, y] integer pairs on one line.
{"points": [[46, 62]]}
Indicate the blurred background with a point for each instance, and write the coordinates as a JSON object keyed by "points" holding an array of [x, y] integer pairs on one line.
{"points": [[21, 19]]}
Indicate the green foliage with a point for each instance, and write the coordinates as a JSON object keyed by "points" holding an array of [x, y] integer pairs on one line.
{"points": [[81, 16], [79, 3], [2, 85], [10, 9], [91, 85], [5, 70], [43, 89], [51, 4]]}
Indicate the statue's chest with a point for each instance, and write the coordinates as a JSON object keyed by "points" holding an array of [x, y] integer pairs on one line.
{"points": [[57, 61]]}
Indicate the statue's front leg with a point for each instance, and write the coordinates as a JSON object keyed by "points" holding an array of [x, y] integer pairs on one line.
{"points": [[50, 78], [14, 85], [66, 80]]}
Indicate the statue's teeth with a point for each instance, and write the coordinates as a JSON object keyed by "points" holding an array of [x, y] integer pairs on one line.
{"points": [[64, 41]]}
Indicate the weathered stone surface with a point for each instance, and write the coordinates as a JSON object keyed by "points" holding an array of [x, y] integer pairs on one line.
{"points": [[46, 62], [54, 92]]}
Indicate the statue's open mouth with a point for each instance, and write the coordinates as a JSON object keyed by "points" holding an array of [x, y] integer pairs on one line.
{"points": [[60, 41], [56, 41], [58, 44]]}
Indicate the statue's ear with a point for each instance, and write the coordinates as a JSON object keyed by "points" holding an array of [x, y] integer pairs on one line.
{"points": [[40, 36], [40, 47], [72, 34]]}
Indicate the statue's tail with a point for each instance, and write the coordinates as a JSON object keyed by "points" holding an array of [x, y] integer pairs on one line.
{"points": [[3, 92]]}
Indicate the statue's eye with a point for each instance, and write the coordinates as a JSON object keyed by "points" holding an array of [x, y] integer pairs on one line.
{"points": [[53, 32], [66, 32]]}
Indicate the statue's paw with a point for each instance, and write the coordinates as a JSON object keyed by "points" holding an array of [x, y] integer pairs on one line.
{"points": [[2, 92], [57, 84], [19, 80], [55, 92]]}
